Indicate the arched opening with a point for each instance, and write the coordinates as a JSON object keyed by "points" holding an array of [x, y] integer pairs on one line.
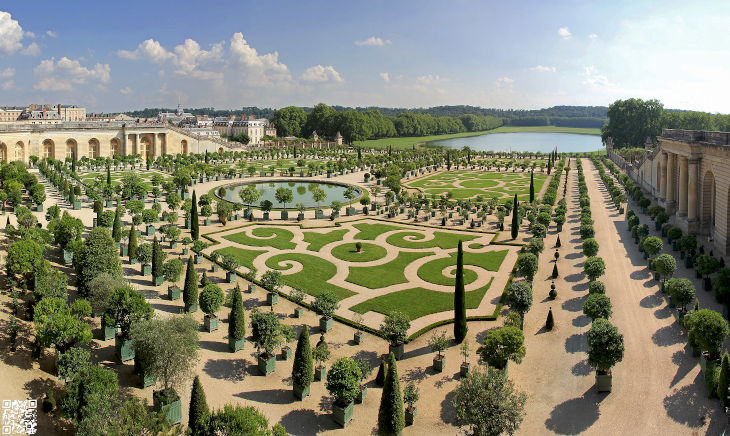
{"points": [[708, 203], [93, 148], [114, 147], [220, 149], [184, 147], [19, 151], [71, 149], [49, 149], [3, 152], [145, 147]]}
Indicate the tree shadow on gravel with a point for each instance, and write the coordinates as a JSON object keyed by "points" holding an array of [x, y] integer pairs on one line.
{"points": [[651, 301], [640, 275], [581, 321], [581, 368], [688, 405], [575, 415], [448, 413], [576, 343], [685, 363], [229, 369], [307, 422], [663, 313], [667, 336], [572, 256], [270, 396], [572, 278], [574, 304]]}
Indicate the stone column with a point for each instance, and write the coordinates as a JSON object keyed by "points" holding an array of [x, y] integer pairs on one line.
{"points": [[663, 184], [670, 182], [153, 144], [692, 190], [683, 186]]}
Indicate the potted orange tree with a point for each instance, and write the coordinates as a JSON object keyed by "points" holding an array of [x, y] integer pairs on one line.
{"points": [[605, 349], [437, 344], [343, 383], [410, 398], [210, 300], [394, 328], [266, 332], [325, 305]]}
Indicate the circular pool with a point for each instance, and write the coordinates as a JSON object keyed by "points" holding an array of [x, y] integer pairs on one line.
{"points": [[302, 192]]}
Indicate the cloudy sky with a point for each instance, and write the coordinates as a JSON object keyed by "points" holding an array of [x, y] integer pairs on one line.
{"points": [[228, 54]]}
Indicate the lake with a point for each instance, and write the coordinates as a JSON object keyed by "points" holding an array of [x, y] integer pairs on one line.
{"points": [[526, 141], [300, 192]]}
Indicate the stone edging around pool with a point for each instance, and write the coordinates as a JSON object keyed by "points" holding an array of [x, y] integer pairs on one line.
{"points": [[358, 189]]}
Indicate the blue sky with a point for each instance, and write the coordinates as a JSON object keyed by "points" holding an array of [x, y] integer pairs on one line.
{"points": [[228, 54]]}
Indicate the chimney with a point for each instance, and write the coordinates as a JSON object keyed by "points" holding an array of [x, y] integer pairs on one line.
{"points": [[44, 112], [59, 109]]}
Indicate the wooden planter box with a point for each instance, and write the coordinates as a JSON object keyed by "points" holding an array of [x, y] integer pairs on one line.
{"points": [[191, 308], [320, 373], [251, 288], [359, 337], [108, 332], [363, 393], [124, 349], [211, 323], [286, 353], [298, 312], [150, 231], [272, 298], [325, 324], [397, 350], [146, 270], [157, 281], [411, 414], [343, 414], [603, 382], [438, 363], [266, 364], [464, 369], [214, 267], [236, 345], [198, 259], [231, 277], [68, 257], [174, 410], [301, 391], [173, 292]]}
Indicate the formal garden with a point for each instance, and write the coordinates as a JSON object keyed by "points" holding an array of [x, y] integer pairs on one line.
{"points": [[462, 184]]}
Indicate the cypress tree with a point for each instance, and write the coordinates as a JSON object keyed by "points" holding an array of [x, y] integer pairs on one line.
{"points": [[190, 291], [723, 381], [555, 271], [550, 164], [391, 418], [532, 187], [237, 319], [156, 258], [302, 373], [557, 242], [98, 212], [198, 414], [359, 154], [132, 251], [515, 219], [108, 176], [380, 377], [460, 327], [194, 231], [204, 280], [550, 322], [117, 227]]}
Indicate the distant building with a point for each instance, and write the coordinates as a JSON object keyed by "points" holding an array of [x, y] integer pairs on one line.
{"points": [[338, 138], [108, 118], [39, 116], [10, 114], [254, 128], [176, 117]]}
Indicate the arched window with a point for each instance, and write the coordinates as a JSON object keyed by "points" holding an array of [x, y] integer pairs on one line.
{"points": [[93, 149], [48, 149]]}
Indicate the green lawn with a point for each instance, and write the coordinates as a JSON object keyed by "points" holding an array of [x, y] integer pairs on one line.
{"points": [[313, 277], [432, 271], [409, 142], [385, 275], [274, 237], [473, 183], [419, 302], [348, 253], [442, 240], [318, 240], [372, 231], [244, 257]]}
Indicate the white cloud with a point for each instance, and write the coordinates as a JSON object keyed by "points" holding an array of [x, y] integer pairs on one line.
{"points": [[7, 86], [385, 77], [51, 33], [10, 34], [62, 75], [592, 78], [504, 81], [261, 69], [29, 34], [543, 69], [126, 90], [7, 73], [31, 50], [321, 74], [149, 49], [189, 58], [430, 83], [373, 41], [564, 33], [592, 36]]}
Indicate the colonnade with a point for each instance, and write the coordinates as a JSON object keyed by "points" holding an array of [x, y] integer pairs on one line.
{"points": [[678, 184]]}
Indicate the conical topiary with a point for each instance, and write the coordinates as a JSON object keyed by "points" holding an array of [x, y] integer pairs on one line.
{"points": [[117, 226], [380, 377], [204, 279], [555, 271], [198, 412], [190, 291], [723, 381], [156, 258], [132, 251], [302, 373], [550, 322], [557, 242], [194, 229], [391, 417], [460, 327], [237, 318], [515, 219]]}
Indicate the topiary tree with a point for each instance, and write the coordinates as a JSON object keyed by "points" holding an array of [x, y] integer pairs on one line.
{"points": [[325, 304], [158, 257], [681, 290], [527, 265], [519, 298], [723, 379], [487, 403], [550, 321], [236, 320], [97, 255], [664, 265], [190, 290], [271, 280], [391, 417], [172, 269], [132, 250], [596, 287], [652, 245], [501, 345], [605, 345], [59, 325], [395, 326], [198, 413], [515, 219], [594, 267], [73, 362], [303, 369], [211, 298], [590, 247], [266, 331], [126, 308], [460, 328], [597, 306], [708, 329]]}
